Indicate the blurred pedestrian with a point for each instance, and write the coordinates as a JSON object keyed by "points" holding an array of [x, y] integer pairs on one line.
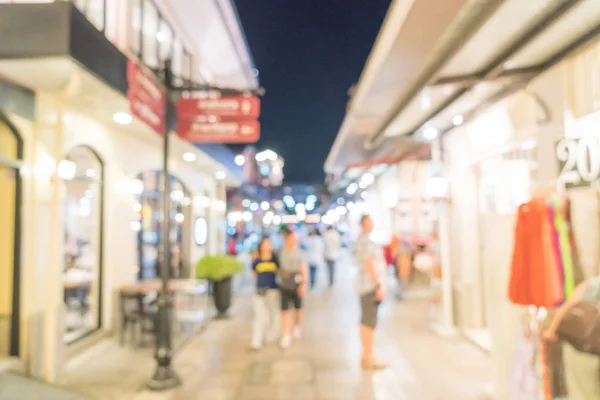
{"points": [[403, 263], [581, 369], [292, 285], [333, 245], [315, 251], [266, 297], [232, 244], [371, 288]]}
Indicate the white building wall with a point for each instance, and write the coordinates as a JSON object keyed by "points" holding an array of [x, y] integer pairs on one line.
{"points": [[124, 155]]}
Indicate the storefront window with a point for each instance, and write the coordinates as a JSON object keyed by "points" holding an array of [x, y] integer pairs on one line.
{"points": [[149, 212], [94, 10], [9, 151], [83, 229], [150, 32]]}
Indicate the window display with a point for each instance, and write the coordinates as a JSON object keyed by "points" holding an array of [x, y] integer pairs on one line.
{"points": [[9, 151], [149, 214], [82, 262]]}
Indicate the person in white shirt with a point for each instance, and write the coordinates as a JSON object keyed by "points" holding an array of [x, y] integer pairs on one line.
{"points": [[315, 253], [333, 244], [370, 284]]}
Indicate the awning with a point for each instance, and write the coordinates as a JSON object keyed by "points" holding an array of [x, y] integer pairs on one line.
{"points": [[436, 66]]}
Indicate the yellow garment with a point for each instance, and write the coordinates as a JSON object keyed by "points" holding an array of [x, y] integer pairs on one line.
{"points": [[266, 266]]}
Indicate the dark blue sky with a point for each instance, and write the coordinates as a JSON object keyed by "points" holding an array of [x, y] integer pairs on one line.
{"points": [[309, 53]]}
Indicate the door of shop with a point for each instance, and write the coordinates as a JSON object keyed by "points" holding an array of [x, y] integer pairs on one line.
{"points": [[10, 153], [504, 184]]}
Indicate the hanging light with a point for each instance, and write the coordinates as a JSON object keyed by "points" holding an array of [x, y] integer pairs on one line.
{"points": [[430, 133], [66, 170]]}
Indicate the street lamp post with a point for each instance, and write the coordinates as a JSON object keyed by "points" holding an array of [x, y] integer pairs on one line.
{"points": [[165, 376]]}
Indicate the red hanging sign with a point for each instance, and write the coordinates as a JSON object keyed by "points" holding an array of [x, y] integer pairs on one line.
{"points": [[147, 99], [241, 107], [223, 131]]}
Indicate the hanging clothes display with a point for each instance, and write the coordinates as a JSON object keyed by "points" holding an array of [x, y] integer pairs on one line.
{"points": [[543, 263], [544, 273], [534, 270]]}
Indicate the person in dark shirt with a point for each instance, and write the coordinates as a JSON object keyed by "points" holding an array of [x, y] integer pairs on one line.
{"points": [[266, 299]]}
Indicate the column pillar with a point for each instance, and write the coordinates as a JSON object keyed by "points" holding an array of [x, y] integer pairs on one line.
{"points": [[445, 324], [52, 135]]}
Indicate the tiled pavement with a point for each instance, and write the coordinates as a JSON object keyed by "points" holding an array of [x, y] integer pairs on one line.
{"points": [[217, 365]]}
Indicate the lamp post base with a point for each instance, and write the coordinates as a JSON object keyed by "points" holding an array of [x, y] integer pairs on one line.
{"points": [[164, 378]]}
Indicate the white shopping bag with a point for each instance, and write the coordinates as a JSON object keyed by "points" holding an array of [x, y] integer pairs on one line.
{"points": [[522, 379]]}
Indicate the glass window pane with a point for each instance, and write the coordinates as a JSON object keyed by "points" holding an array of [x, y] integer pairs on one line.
{"points": [[82, 246], [150, 29], [95, 13], [136, 23], [187, 66], [93, 10], [149, 211], [165, 39], [177, 61]]}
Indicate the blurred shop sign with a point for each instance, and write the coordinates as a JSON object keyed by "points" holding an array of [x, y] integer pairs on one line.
{"points": [[227, 106], [579, 161], [147, 98], [222, 131], [226, 119]]}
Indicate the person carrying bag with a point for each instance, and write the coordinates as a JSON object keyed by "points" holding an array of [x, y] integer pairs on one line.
{"points": [[577, 324]]}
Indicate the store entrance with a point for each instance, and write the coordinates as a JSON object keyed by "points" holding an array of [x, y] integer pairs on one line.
{"points": [[504, 184], [10, 153]]}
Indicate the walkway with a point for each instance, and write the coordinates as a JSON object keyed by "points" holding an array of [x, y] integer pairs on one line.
{"points": [[217, 365]]}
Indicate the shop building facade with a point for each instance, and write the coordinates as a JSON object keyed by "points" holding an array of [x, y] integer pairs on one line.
{"points": [[536, 132], [506, 124], [80, 179]]}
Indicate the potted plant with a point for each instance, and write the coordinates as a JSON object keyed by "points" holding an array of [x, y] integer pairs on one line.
{"points": [[219, 270]]}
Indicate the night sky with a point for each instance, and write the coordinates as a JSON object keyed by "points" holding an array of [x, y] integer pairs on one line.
{"points": [[309, 53]]}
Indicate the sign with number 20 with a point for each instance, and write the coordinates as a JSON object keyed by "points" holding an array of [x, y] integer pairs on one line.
{"points": [[579, 161]]}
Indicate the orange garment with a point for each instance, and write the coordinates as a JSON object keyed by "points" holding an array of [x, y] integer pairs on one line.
{"points": [[535, 276]]}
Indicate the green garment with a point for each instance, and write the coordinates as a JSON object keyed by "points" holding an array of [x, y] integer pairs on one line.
{"points": [[562, 228]]}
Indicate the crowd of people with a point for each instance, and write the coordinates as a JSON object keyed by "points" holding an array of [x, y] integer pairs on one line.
{"points": [[283, 276], [282, 279]]}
